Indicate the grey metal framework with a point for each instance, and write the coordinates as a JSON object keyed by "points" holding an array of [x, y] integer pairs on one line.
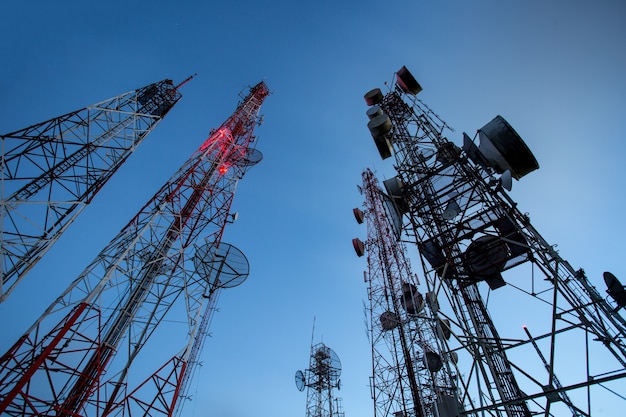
{"points": [[475, 246], [52, 170], [408, 375], [123, 339], [320, 380]]}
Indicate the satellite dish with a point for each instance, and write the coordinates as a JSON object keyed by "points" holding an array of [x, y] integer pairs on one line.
{"points": [[615, 289], [373, 112], [374, 96], [433, 361], [486, 256], [394, 188], [395, 218], [300, 382], [359, 247], [504, 149], [473, 152], [507, 180], [412, 299], [379, 126], [339, 384], [327, 361], [433, 303], [223, 267], [358, 215], [252, 157], [452, 210], [444, 328], [389, 320], [407, 82]]}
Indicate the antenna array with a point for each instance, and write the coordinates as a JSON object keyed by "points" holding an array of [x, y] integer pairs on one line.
{"points": [[451, 203]]}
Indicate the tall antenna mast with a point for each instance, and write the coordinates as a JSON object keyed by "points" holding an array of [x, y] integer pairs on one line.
{"points": [[52, 170], [472, 239], [321, 379], [86, 356], [411, 375]]}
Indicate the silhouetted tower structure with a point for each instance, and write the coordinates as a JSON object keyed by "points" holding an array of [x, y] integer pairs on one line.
{"points": [[472, 240], [123, 339], [52, 170], [320, 380], [410, 374]]}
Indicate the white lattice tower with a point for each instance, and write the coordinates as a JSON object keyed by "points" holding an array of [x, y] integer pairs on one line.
{"points": [[86, 355], [50, 171]]}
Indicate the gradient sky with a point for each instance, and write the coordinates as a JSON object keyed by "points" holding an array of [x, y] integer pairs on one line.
{"points": [[554, 70]]}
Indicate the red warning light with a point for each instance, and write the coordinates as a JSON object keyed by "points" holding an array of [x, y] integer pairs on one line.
{"points": [[223, 169]]}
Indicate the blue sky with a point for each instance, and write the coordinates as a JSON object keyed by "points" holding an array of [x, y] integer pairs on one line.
{"points": [[554, 70]]}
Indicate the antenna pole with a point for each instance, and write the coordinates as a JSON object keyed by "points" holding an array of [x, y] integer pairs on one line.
{"points": [[185, 81], [312, 332]]}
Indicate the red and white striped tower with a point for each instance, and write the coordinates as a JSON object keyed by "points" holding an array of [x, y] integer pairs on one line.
{"points": [[410, 374], [102, 348]]}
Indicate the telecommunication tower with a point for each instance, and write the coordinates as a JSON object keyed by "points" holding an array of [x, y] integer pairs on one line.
{"points": [[52, 170], [102, 348], [320, 380], [407, 356], [476, 246]]}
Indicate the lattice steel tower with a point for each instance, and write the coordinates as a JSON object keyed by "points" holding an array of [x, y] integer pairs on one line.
{"points": [[104, 347], [52, 170], [452, 203], [321, 380], [411, 375]]}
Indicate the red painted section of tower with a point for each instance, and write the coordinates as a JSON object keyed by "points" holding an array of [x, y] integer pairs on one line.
{"points": [[144, 266]]}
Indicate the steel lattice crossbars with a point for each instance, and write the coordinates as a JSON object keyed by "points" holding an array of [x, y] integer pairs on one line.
{"points": [[145, 274], [52, 170], [472, 239]]}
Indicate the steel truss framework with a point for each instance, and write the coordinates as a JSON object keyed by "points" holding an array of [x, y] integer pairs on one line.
{"points": [[86, 355], [321, 379], [406, 353], [52, 170], [478, 245]]}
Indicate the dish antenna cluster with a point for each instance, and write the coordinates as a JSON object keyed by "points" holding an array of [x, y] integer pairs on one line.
{"points": [[476, 247], [321, 379]]}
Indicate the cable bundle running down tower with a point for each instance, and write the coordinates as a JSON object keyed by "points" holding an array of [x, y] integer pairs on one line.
{"points": [[472, 241], [410, 375], [52, 170], [321, 379], [86, 355]]}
